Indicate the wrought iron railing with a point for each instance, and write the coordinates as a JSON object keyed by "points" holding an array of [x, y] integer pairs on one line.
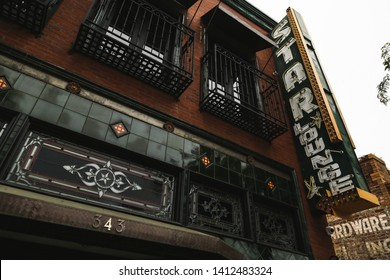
{"points": [[141, 40], [238, 92], [33, 14]]}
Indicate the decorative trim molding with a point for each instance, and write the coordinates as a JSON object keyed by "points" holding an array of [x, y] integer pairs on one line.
{"points": [[252, 13], [31, 61], [322, 101]]}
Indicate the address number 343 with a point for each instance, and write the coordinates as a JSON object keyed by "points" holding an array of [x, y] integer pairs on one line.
{"points": [[109, 224]]}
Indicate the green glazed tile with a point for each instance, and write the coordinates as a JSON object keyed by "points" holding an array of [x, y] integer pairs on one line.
{"points": [[119, 117], [191, 147], [10, 74], [175, 142], [55, 95], [95, 129], [46, 111], [19, 101], [100, 113], [156, 150], [72, 120], [137, 144], [158, 135], [29, 85], [174, 157], [191, 162], [140, 128], [113, 139], [78, 104]]}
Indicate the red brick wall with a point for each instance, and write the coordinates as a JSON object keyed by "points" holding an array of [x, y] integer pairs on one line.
{"points": [[56, 42], [366, 235]]}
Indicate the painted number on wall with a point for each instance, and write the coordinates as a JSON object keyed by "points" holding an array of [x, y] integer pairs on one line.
{"points": [[109, 224]]}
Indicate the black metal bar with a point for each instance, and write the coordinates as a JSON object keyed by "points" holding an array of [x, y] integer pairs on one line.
{"points": [[138, 40], [32, 14], [233, 96]]}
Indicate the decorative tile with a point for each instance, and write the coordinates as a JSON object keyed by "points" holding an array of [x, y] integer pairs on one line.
{"points": [[175, 142], [140, 128], [4, 84], [72, 120], [119, 117], [29, 85], [156, 150], [174, 157], [19, 101], [95, 129], [10, 74], [119, 129], [137, 144], [55, 95], [191, 162], [100, 113], [46, 111], [78, 104], [113, 139], [158, 135], [191, 148]]}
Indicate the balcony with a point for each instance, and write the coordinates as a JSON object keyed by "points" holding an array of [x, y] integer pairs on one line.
{"points": [[32, 14], [140, 40], [237, 92]]}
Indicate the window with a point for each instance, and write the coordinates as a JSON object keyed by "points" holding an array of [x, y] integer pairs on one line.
{"points": [[145, 39], [32, 14], [232, 86], [233, 78], [136, 23]]}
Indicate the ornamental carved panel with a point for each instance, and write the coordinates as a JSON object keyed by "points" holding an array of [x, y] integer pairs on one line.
{"points": [[61, 169], [215, 211], [275, 226]]}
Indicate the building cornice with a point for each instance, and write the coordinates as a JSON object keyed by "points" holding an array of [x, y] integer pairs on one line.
{"points": [[252, 13]]}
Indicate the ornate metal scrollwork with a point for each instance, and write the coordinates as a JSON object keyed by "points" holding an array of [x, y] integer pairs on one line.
{"points": [[216, 211], [103, 178], [275, 226]]}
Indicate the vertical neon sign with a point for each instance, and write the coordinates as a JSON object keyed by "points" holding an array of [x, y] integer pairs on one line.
{"points": [[330, 168]]}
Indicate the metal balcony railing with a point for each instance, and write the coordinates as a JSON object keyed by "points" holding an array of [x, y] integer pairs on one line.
{"points": [[33, 14], [239, 93], [140, 40]]}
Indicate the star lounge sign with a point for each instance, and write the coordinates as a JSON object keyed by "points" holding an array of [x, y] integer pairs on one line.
{"points": [[330, 167]]}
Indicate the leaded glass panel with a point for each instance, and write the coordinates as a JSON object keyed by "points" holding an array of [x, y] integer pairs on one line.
{"points": [[59, 168]]}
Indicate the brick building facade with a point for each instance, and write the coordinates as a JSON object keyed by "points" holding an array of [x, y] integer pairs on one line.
{"points": [[366, 235], [148, 129]]}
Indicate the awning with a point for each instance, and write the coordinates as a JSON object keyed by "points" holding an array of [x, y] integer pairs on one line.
{"points": [[227, 27]]}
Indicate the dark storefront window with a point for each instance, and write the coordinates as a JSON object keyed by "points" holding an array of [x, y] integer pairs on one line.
{"points": [[228, 197]]}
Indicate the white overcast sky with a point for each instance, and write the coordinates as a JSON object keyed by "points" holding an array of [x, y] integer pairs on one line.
{"points": [[348, 36]]}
